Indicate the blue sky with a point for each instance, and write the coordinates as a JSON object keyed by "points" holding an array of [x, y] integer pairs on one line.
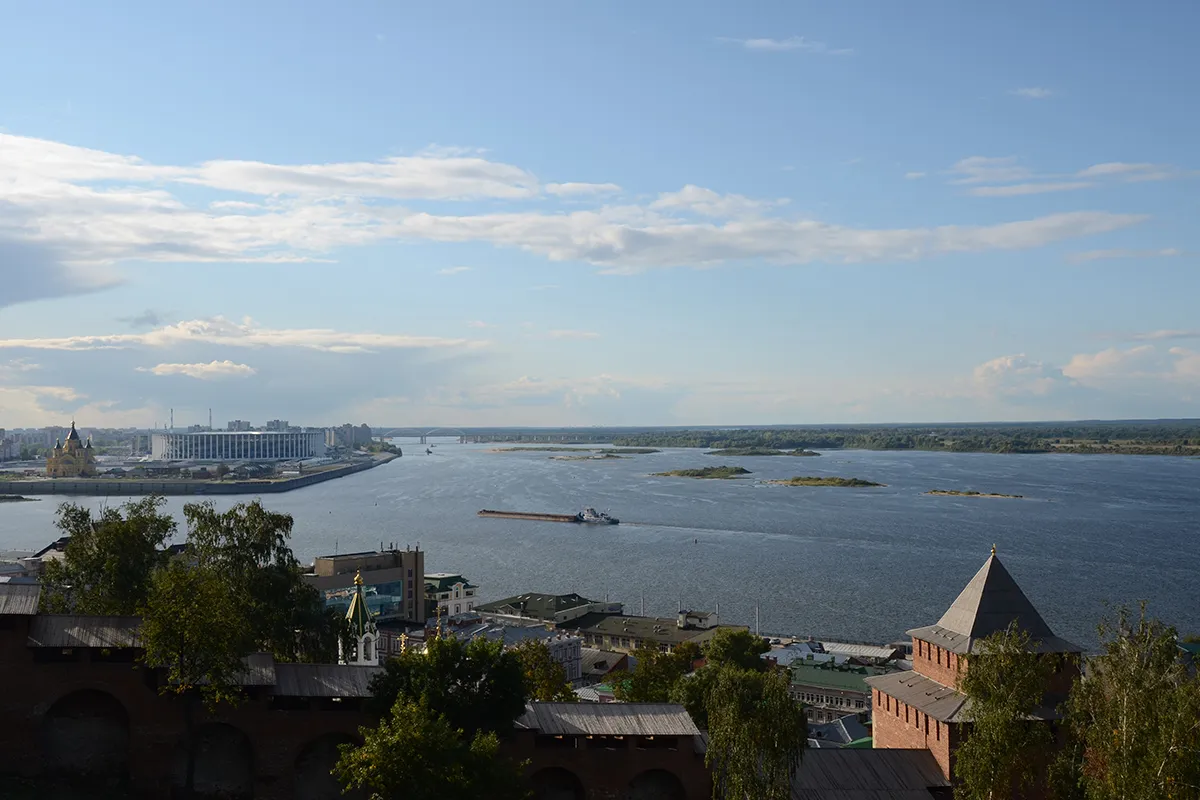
{"points": [[619, 213]]}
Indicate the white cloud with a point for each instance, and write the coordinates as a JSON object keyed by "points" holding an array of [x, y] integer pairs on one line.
{"points": [[571, 334], [990, 169], [912, 176], [1154, 336], [478, 323], [1018, 189], [1117, 168], [214, 370], [453, 270], [797, 43], [575, 189], [220, 331], [1018, 376], [1033, 92], [10, 370], [1107, 364], [1097, 255], [708, 203]]}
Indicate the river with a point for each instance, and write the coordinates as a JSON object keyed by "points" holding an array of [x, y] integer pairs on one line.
{"points": [[859, 564]]}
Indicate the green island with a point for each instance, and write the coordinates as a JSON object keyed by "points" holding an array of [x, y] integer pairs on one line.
{"points": [[723, 473], [597, 457], [957, 493], [1179, 437], [814, 480], [16, 498], [759, 451], [632, 451]]}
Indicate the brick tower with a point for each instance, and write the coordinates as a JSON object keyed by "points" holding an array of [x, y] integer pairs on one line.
{"points": [[922, 708]]}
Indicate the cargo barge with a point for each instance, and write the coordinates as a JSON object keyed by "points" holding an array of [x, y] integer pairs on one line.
{"points": [[588, 515]]}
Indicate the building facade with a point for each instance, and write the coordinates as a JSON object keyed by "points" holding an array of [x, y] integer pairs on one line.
{"points": [[72, 458], [237, 446], [829, 691], [554, 609], [922, 707], [393, 583], [449, 592], [624, 634]]}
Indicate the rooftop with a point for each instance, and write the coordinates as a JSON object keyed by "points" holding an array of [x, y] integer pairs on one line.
{"points": [[990, 602], [608, 719], [19, 599], [853, 679], [536, 604], [924, 694], [71, 630], [663, 630], [862, 774]]}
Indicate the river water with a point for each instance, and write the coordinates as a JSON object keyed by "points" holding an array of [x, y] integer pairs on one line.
{"points": [[861, 564]]}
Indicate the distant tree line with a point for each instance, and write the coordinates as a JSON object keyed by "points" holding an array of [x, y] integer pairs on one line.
{"points": [[1169, 437]]}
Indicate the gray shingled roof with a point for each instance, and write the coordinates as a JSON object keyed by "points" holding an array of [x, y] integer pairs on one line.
{"points": [[19, 599], [839, 774], [924, 694], [608, 719], [991, 602], [323, 680], [70, 630]]}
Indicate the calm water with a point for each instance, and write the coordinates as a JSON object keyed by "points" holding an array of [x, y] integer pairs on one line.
{"points": [[862, 564]]}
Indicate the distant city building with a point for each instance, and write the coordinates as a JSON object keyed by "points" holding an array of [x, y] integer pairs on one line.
{"points": [[9, 449], [277, 425], [72, 458], [624, 634], [829, 690], [393, 582], [349, 435], [238, 425], [450, 592], [555, 609], [242, 446]]}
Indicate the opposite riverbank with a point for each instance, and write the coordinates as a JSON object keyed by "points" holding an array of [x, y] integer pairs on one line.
{"points": [[125, 487]]}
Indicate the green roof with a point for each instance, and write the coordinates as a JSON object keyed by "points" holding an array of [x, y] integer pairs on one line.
{"points": [[830, 677], [865, 743]]}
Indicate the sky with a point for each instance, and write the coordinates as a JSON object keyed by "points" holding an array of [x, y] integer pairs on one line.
{"points": [[619, 213]]}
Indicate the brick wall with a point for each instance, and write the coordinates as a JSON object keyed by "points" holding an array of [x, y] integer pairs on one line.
{"points": [[937, 663], [899, 726]]}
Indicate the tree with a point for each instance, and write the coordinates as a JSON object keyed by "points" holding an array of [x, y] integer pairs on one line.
{"points": [[415, 754], [107, 564], [756, 733], [193, 629], [248, 547], [476, 686], [692, 691], [1135, 718], [654, 675], [738, 648], [1005, 683], [545, 678]]}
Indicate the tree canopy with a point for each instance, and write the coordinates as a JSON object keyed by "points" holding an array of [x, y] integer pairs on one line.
{"points": [[477, 686], [107, 564], [545, 678], [655, 674]]}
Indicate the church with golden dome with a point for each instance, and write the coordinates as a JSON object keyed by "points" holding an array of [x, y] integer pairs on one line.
{"points": [[72, 458]]}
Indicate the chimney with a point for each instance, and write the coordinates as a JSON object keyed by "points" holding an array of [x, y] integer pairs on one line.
{"points": [[681, 622]]}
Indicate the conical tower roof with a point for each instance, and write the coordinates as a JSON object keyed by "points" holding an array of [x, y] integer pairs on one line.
{"points": [[73, 436], [990, 602], [358, 615]]}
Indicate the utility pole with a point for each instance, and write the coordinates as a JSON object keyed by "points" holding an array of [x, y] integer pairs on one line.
{"points": [[757, 628], [643, 605]]}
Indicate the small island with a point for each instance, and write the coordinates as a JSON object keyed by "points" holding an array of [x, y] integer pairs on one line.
{"points": [[597, 457], [16, 498], [957, 493], [722, 473], [814, 480], [632, 451], [759, 451]]}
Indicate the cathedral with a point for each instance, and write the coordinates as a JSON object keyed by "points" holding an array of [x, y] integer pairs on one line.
{"points": [[72, 458]]}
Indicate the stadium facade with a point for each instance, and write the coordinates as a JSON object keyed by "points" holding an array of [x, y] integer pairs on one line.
{"points": [[238, 445]]}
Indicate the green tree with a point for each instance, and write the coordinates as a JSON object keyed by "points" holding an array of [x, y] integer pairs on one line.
{"points": [[1135, 718], [478, 686], [107, 564], [1003, 753], [756, 734], [545, 678], [692, 691], [194, 630], [654, 675], [737, 648], [415, 754], [248, 547]]}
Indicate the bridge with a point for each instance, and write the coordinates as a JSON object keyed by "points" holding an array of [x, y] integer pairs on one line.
{"points": [[423, 435]]}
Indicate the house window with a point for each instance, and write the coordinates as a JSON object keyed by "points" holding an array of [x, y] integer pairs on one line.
{"points": [[457, 608], [939, 656], [937, 730]]}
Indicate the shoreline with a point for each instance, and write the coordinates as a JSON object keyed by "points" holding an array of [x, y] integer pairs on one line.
{"points": [[129, 487]]}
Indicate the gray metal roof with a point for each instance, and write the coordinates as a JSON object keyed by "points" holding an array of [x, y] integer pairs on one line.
{"points": [[323, 680], [598, 662], [839, 774], [608, 719], [70, 630], [990, 602], [19, 599], [855, 650], [259, 670], [924, 694]]}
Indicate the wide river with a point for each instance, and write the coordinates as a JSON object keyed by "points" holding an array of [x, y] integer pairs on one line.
{"points": [[859, 564]]}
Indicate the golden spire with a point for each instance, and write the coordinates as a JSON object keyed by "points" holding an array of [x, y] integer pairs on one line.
{"points": [[358, 574], [993, 549]]}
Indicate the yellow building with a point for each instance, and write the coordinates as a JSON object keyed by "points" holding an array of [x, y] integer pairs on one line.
{"points": [[71, 459]]}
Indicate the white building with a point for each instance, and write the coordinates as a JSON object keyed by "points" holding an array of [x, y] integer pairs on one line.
{"points": [[237, 446], [450, 592]]}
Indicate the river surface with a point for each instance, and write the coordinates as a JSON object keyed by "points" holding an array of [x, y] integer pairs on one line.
{"points": [[859, 564]]}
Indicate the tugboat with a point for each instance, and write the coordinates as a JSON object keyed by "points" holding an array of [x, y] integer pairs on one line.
{"points": [[594, 517], [428, 452]]}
